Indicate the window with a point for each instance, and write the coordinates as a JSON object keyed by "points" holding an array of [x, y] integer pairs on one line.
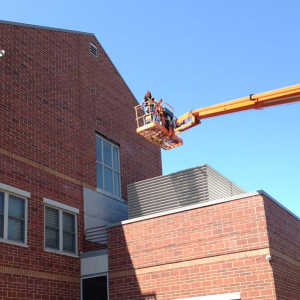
{"points": [[60, 227], [95, 288], [108, 166], [13, 217]]}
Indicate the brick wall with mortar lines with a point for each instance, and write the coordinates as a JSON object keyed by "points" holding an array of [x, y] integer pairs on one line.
{"points": [[32, 273], [22, 288], [211, 250], [284, 237], [54, 96]]}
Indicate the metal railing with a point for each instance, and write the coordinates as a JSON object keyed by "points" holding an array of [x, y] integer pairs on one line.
{"points": [[142, 116]]}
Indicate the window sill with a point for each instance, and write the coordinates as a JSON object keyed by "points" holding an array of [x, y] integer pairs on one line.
{"points": [[110, 195], [13, 243], [61, 252]]}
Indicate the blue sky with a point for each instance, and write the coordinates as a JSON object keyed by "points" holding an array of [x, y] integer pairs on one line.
{"points": [[196, 53]]}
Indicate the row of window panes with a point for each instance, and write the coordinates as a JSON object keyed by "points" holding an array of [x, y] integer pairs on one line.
{"points": [[108, 167], [15, 230]]}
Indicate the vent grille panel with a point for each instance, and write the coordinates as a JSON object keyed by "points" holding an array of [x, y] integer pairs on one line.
{"points": [[93, 50], [192, 186]]}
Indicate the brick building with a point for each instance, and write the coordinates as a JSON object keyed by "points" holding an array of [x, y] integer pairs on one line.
{"points": [[66, 160], [64, 149], [243, 246]]}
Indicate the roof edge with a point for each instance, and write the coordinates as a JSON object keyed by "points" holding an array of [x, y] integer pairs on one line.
{"points": [[199, 205], [44, 27], [262, 192], [70, 31]]}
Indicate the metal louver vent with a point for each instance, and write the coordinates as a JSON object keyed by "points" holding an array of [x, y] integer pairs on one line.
{"points": [[93, 49], [191, 186]]}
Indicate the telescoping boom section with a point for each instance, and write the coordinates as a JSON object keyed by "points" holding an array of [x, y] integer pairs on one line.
{"points": [[193, 118]]}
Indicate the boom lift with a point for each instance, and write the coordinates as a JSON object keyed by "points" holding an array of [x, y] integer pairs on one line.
{"points": [[157, 128]]}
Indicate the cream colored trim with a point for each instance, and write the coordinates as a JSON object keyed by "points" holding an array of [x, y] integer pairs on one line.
{"points": [[61, 205], [10, 189], [190, 263], [232, 296], [285, 257], [45, 169], [36, 274]]}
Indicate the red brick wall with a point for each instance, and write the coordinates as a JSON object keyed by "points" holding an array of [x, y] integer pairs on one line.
{"points": [[221, 247], [20, 287], [33, 262], [284, 237], [54, 96]]}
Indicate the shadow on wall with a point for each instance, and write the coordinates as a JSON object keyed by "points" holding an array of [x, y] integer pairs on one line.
{"points": [[95, 238], [149, 297], [124, 283]]}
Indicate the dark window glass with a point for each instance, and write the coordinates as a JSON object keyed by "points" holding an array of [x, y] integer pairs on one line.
{"points": [[107, 154], [98, 149], [15, 230], [68, 232], [16, 207], [99, 176], [1, 214], [108, 181], [16, 219], [117, 183], [1, 203], [52, 228], [116, 158], [95, 288]]}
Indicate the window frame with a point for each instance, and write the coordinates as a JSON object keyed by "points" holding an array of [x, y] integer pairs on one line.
{"points": [[61, 208], [113, 145], [7, 191]]}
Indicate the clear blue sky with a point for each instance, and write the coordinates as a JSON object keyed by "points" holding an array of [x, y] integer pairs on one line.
{"points": [[195, 53]]}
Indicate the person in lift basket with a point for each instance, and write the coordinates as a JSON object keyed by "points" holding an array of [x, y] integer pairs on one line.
{"points": [[149, 103]]}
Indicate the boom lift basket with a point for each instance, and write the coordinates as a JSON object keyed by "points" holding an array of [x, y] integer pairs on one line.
{"points": [[153, 126]]}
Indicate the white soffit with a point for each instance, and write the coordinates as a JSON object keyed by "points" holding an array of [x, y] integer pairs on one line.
{"points": [[234, 296]]}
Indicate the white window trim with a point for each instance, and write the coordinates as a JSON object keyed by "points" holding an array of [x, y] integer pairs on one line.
{"points": [[13, 190], [233, 296], [61, 208], [9, 190], [113, 170], [115, 197]]}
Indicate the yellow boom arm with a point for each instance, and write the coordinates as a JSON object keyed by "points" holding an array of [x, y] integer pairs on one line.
{"points": [[155, 132], [276, 97]]}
